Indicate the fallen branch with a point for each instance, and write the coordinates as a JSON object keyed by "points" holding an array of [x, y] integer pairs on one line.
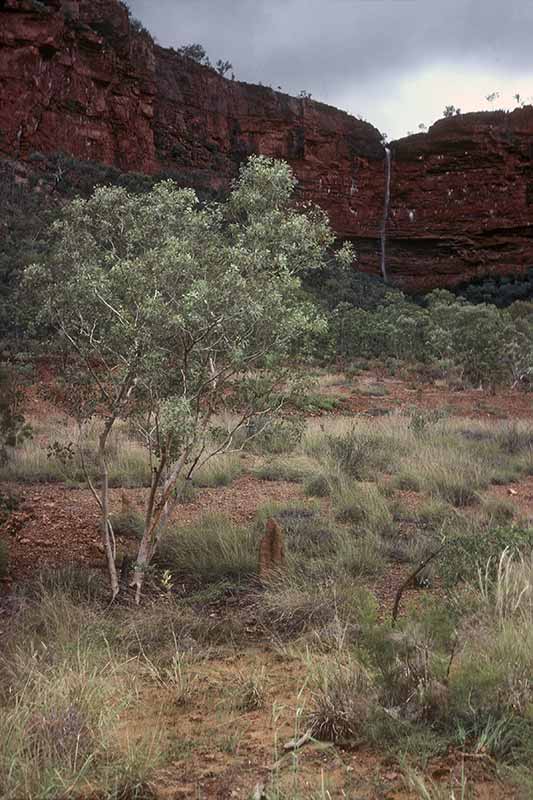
{"points": [[409, 581], [295, 744]]}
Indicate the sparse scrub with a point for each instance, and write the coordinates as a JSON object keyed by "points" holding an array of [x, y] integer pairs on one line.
{"points": [[372, 390], [359, 554], [52, 457], [274, 436], [497, 511], [318, 485], [291, 605], [128, 523], [457, 485], [362, 453]]}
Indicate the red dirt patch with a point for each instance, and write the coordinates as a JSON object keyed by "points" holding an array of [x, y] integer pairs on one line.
{"points": [[55, 524]]}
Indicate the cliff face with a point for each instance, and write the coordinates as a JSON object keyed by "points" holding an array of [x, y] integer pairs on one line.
{"points": [[76, 78], [462, 200]]}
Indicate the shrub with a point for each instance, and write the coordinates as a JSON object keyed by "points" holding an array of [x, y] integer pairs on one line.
{"points": [[372, 390], [128, 523], [455, 480], [8, 504], [498, 511], [60, 716], [465, 554], [358, 554], [249, 693], [318, 485]]}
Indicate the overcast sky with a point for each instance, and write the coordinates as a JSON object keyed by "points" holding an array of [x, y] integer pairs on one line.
{"points": [[396, 63]]}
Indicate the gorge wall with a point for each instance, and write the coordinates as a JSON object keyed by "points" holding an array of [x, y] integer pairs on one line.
{"points": [[77, 78]]}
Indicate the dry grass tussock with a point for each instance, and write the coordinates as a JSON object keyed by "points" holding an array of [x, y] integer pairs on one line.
{"points": [[63, 688]]}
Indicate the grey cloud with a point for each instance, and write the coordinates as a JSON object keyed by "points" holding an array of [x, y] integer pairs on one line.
{"points": [[347, 48]]}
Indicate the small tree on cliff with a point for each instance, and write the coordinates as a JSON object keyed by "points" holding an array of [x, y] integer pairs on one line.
{"points": [[176, 312]]}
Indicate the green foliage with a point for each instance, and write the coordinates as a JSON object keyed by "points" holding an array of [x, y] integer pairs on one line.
{"points": [[274, 436], [467, 553], [482, 343], [288, 469], [361, 453], [13, 427], [342, 702], [176, 312], [128, 523]]}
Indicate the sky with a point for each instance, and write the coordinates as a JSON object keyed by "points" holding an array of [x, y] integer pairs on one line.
{"points": [[395, 63]]}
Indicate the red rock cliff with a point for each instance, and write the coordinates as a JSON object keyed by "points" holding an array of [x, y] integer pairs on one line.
{"points": [[75, 78]]}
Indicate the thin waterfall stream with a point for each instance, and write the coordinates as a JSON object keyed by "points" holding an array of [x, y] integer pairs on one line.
{"points": [[386, 205]]}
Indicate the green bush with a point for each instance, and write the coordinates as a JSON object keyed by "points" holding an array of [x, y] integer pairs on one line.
{"points": [[466, 554], [128, 523]]}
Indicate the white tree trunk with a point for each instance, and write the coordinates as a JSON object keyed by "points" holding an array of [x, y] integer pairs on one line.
{"points": [[105, 526]]}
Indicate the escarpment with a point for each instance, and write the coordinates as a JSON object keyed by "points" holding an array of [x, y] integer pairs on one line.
{"points": [[77, 78]]}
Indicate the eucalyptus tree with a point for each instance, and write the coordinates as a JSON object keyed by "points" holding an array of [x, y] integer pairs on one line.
{"points": [[175, 312]]}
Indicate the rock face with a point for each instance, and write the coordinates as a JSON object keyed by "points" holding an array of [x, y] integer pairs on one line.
{"points": [[76, 77], [462, 200]]}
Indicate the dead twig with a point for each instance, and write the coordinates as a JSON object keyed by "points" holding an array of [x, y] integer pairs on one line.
{"points": [[409, 582]]}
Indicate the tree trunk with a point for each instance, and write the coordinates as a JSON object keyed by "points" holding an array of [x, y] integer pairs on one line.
{"points": [[106, 536]]}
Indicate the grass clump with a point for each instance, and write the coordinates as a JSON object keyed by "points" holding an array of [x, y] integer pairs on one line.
{"points": [[343, 701], [51, 457], [128, 523], [212, 548], [457, 482], [373, 390], [250, 693], [62, 695], [221, 470], [274, 436], [292, 470], [318, 485], [364, 505], [361, 453]]}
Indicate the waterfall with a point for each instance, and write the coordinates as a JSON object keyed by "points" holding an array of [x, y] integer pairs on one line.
{"points": [[386, 205]]}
